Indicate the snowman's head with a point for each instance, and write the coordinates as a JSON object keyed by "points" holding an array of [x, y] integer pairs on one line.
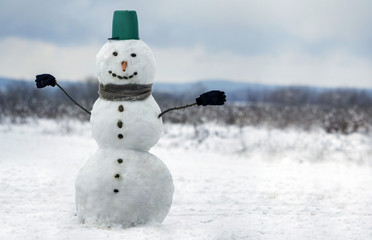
{"points": [[125, 62]]}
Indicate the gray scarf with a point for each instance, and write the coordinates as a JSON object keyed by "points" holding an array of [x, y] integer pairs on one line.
{"points": [[127, 92]]}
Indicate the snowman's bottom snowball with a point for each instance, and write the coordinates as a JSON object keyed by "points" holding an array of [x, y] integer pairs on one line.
{"points": [[123, 187]]}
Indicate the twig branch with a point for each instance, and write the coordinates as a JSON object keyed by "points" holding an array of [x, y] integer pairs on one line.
{"points": [[63, 90], [176, 108]]}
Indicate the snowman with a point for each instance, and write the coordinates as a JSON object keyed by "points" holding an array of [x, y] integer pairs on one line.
{"points": [[122, 183]]}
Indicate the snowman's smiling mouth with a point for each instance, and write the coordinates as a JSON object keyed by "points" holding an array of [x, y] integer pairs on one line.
{"points": [[122, 77]]}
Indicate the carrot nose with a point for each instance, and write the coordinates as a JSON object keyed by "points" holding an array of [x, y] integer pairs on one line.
{"points": [[124, 65]]}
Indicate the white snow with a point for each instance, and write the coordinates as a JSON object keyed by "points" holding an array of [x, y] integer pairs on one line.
{"points": [[230, 183], [141, 127], [141, 67], [124, 188]]}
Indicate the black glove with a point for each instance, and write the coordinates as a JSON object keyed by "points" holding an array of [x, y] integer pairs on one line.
{"points": [[44, 80], [211, 98]]}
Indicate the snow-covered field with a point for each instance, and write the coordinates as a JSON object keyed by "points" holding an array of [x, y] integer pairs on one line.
{"points": [[230, 183]]}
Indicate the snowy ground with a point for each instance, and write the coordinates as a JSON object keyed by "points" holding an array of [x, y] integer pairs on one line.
{"points": [[230, 183]]}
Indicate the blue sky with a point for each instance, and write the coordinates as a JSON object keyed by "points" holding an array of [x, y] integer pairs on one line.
{"points": [[324, 43]]}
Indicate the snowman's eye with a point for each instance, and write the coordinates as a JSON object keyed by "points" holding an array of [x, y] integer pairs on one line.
{"points": [[133, 55], [115, 54]]}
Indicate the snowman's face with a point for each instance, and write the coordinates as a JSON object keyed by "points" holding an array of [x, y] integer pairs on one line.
{"points": [[125, 62]]}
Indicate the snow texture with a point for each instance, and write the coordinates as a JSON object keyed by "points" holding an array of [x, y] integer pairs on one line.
{"points": [[279, 184], [141, 66], [123, 187], [141, 127]]}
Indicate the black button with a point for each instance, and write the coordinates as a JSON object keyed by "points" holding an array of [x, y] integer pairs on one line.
{"points": [[117, 175], [116, 191], [120, 160], [121, 108], [120, 124], [120, 136]]}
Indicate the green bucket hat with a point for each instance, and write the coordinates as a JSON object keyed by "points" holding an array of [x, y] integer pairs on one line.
{"points": [[124, 26]]}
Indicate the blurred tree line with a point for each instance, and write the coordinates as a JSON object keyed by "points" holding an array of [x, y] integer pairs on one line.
{"points": [[335, 110]]}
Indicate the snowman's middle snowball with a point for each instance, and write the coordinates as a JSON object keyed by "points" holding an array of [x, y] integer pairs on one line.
{"points": [[140, 125]]}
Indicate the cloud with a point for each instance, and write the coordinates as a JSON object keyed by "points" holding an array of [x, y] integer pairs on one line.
{"points": [[286, 42], [288, 68], [24, 59], [241, 26], [266, 26], [64, 22]]}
